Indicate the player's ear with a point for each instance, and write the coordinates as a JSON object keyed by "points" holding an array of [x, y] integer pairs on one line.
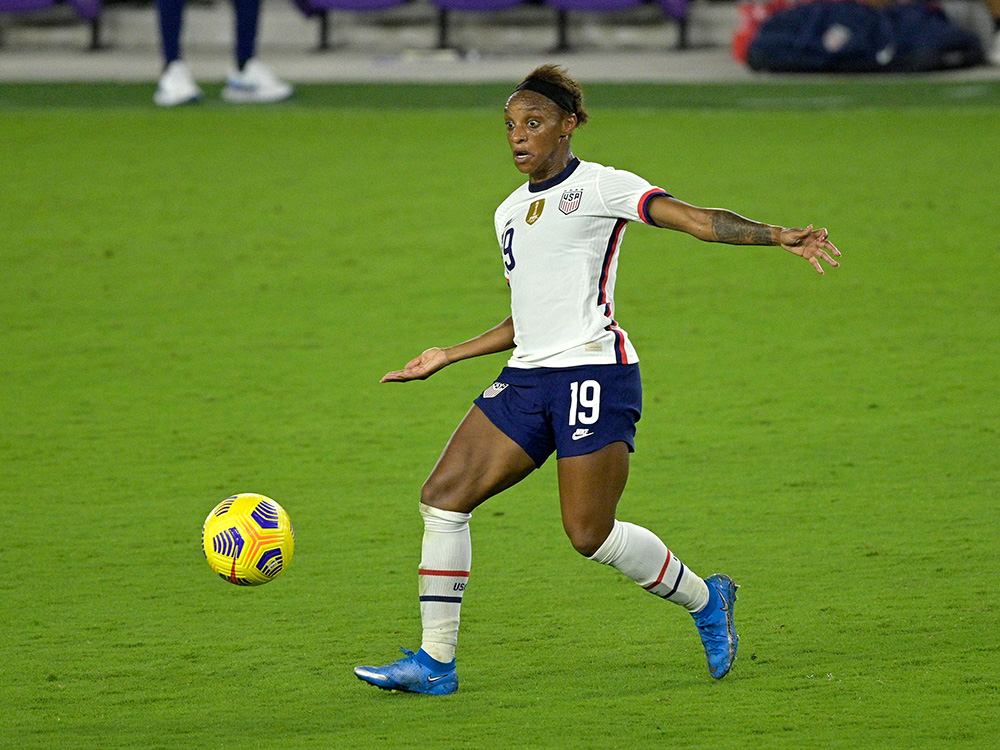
{"points": [[569, 124]]}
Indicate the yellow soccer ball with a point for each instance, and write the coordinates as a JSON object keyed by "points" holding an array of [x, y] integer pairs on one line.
{"points": [[248, 539]]}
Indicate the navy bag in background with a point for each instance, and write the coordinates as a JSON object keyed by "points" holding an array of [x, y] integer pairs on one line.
{"points": [[823, 37], [849, 37], [927, 40]]}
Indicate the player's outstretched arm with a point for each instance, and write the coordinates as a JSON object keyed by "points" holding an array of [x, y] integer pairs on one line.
{"points": [[720, 225], [497, 339]]}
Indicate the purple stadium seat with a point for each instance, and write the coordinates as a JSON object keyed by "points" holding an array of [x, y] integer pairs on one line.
{"points": [[476, 6], [20, 6], [480, 6], [594, 6], [676, 9], [322, 7], [89, 10]]}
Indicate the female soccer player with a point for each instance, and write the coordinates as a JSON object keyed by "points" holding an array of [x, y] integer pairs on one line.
{"points": [[571, 386]]}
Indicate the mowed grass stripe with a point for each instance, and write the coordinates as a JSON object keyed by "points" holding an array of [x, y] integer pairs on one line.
{"points": [[201, 303], [809, 93]]}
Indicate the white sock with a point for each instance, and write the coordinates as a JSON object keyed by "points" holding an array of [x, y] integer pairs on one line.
{"points": [[639, 554], [445, 561]]}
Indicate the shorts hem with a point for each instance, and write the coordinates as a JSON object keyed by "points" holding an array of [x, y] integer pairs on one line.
{"points": [[596, 446], [538, 463]]}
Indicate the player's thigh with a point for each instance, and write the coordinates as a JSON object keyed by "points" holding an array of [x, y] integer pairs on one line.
{"points": [[478, 462], [590, 487]]}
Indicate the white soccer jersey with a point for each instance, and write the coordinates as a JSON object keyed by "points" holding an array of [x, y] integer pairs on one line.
{"points": [[560, 240]]}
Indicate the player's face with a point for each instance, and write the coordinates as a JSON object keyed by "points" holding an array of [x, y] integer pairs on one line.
{"points": [[538, 133]]}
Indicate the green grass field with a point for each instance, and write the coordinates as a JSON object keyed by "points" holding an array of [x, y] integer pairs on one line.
{"points": [[201, 302]]}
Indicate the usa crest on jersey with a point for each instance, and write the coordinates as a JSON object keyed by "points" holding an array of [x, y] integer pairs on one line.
{"points": [[570, 200]]}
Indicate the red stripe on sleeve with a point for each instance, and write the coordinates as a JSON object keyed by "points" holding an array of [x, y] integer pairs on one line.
{"points": [[652, 193]]}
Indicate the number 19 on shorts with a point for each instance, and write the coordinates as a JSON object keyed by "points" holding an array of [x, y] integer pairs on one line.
{"points": [[584, 402]]}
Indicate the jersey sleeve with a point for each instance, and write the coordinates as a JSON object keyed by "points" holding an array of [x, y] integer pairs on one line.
{"points": [[497, 225], [627, 195], [500, 226]]}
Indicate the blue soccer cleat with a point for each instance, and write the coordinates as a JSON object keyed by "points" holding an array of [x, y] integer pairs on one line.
{"points": [[412, 675], [715, 625]]}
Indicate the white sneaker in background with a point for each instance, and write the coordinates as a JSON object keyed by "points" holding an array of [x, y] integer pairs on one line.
{"points": [[176, 86], [255, 84], [994, 52]]}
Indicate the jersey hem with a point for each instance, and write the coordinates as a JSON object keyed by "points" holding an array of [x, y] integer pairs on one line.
{"points": [[568, 363]]}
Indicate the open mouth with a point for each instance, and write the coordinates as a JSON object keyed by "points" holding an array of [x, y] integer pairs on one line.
{"points": [[521, 156]]}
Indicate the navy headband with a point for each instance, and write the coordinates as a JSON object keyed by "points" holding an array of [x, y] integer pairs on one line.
{"points": [[562, 98]]}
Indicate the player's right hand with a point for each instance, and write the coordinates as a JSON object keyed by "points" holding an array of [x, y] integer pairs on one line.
{"points": [[812, 244], [419, 368]]}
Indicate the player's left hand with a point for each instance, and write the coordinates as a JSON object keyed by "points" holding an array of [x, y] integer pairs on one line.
{"points": [[419, 368], [812, 244]]}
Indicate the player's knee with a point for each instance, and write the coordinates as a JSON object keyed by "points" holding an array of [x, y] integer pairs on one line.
{"points": [[433, 492], [587, 538], [440, 491]]}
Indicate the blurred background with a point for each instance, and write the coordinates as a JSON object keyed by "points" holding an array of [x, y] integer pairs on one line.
{"points": [[404, 40]]}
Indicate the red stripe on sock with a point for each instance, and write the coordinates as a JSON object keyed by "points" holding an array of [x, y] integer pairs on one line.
{"points": [[453, 573], [663, 572]]}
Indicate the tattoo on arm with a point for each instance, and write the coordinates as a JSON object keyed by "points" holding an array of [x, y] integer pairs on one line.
{"points": [[735, 230]]}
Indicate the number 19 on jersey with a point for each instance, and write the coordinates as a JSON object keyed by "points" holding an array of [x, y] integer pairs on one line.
{"points": [[584, 402]]}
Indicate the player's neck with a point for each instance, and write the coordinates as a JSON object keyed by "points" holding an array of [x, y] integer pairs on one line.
{"points": [[552, 167]]}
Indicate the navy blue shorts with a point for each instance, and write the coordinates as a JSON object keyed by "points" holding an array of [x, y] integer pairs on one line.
{"points": [[571, 410]]}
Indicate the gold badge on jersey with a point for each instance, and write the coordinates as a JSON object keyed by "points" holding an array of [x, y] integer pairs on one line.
{"points": [[534, 211]]}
